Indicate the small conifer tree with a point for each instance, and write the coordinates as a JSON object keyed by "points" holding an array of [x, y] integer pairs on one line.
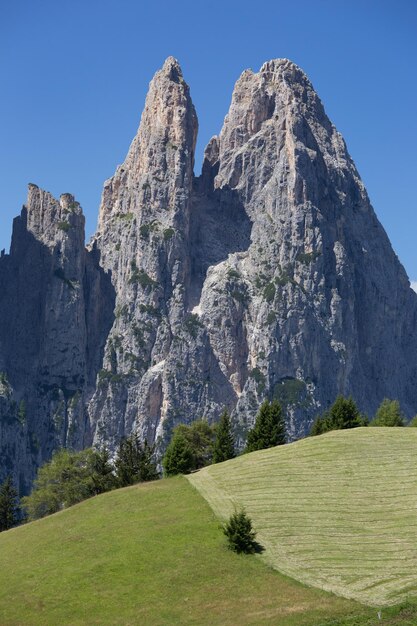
{"points": [[102, 475], [223, 448], [240, 534], [388, 414], [269, 429], [147, 466], [319, 426], [134, 462], [9, 505], [179, 457], [344, 414]]}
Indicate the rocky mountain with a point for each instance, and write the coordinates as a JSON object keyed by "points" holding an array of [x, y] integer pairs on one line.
{"points": [[268, 275]]}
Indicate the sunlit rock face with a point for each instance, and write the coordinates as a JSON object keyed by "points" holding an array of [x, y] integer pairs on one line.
{"points": [[267, 276]]}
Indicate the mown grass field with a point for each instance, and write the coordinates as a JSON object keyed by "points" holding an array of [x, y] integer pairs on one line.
{"points": [[152, 554], [337, 511]]}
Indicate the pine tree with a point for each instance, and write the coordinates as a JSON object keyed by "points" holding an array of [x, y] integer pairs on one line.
{"points": [[223, 448], [319, 426], [344, 414], [127, 462], [179, 457], [102, 475], [9, 505], [134, 462], [240, 534], [388, 414], [147, 466], [269, 429]]}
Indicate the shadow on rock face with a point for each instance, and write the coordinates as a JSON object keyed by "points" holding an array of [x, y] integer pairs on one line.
{"points": [[219, 226]]}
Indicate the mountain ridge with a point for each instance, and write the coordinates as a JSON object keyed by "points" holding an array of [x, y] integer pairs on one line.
{"points": [[267, 275]]}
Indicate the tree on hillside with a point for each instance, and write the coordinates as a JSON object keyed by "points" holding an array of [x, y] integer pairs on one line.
{"points": [[179, 458], [148, 469], [134, 461], [63, 481], [9, 505], [69, 477], [320, 425], [223, 448], [240, 534], [200, 436], [413, 422], [342, 414], [388, 414], [190, 448], [269, 429], [102, 475]]}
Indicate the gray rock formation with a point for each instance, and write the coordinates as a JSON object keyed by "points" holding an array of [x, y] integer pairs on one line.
{"points": [[268, 275], [56, 309]]}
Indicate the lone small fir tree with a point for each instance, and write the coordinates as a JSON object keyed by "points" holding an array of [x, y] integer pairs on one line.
{"points": [[240, 534], [342, 414]]}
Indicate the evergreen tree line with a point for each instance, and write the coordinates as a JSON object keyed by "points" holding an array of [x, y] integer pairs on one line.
{"points": [[71, 477], [345, 414], [199, 444]]}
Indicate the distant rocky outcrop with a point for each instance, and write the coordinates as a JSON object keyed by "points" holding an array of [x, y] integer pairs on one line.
{"points": [[268, 275]]}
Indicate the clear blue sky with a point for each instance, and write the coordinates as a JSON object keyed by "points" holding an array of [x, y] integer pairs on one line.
{"points": [[74, 75]]}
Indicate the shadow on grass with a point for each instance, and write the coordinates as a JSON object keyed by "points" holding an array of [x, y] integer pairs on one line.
{"points": [[253, 548], [257, 548]]}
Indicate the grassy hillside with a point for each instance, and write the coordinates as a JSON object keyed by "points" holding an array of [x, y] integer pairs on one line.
{"points": [[154, 554], [151, 554], [337, 511]]}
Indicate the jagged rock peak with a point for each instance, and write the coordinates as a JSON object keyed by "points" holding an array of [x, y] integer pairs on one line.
{"points": [[161, 152], [279, 65], [68, 203], [172, 69], [169, 113], [278, 101], [269, 276], [46, 217], [276, 75]]}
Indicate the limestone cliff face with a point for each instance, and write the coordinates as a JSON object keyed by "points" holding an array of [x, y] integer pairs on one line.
{"points": [[268, 275], [276, 276], [51, 334], [320, 275], [144, 241]]}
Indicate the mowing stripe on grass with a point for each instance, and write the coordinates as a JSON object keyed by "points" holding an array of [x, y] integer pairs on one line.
{"points": [[337, 511], [151, 555]]}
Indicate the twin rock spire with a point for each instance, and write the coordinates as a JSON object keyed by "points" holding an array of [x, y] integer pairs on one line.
{"points": [[267, 276]]}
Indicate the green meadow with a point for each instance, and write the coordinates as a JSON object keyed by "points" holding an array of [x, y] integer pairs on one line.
{"points": [[337, 511], [154, 554]]}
